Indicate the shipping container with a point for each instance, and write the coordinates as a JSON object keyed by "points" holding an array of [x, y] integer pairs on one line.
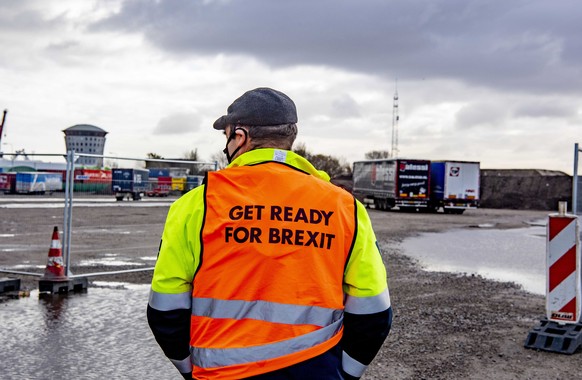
{"points": [[160, 186], [92, 181], [63, 173], [178, 183], [38, 182], [93, 175], [129, 182], [454, 186], [388, 183], [8, 183], [159, 172], [193, 181]]}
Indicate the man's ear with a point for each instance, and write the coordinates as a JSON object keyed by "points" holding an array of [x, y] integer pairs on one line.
{"points": [[243, 134]]}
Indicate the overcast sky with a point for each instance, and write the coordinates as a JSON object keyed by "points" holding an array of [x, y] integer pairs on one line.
{"points": [[495, 81]]}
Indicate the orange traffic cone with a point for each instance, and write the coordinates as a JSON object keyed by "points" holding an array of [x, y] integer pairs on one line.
{"points": [[55, 269]]}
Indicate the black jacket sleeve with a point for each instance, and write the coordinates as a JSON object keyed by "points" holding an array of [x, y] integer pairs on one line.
{"points": [[171, 330], [364, 334]]}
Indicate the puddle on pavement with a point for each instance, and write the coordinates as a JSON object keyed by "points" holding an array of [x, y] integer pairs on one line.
{"points": [[77, 204], [108, 261], [100, 334], [27, 265], [148, 258], [21, 248], [515, 255], [106, 231]]}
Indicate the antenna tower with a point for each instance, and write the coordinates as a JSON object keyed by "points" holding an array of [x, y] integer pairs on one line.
{"points": [[2, 130], [395, 119]]}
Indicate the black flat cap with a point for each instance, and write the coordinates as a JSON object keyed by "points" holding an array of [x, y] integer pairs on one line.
{"points": [[259, 107]]}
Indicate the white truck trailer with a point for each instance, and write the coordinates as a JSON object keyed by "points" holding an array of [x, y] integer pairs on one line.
{"points": [[454, 186]]}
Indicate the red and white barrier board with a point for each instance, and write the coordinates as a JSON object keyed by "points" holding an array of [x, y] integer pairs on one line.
{"points": [[563, 269]]}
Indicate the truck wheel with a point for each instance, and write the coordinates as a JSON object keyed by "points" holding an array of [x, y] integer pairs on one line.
{"points": [[383, 205], [119, 198]]}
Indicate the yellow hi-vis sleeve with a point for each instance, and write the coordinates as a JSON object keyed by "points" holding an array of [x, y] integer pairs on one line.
{"points": [[179, 254], [365, 274]]}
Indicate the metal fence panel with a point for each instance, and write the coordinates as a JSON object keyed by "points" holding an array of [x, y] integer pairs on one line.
{"points": [[101, 231]]}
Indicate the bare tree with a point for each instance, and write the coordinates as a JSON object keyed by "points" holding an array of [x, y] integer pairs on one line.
{"points": [[220, 157], [191, 155], [331, 165], [376, 154]]}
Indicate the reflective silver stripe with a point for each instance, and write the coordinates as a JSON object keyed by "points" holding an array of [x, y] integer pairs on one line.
{"points": [[184, 365], [265, 311], [165, 302], [219, 357], [368, 305], [351, 366]]}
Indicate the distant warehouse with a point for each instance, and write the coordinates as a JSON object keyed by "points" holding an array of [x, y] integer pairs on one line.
{"points": [[86, 138]]}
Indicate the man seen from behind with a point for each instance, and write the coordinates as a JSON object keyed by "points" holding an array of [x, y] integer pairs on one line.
{"points": [[268, 271]]}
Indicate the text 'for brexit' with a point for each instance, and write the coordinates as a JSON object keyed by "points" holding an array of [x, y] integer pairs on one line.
{"points": [[273, 235]]}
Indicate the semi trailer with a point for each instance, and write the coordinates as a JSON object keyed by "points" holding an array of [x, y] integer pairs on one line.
{"points": [[37, 182], [454, 186], [389, 183], [129, 182]]}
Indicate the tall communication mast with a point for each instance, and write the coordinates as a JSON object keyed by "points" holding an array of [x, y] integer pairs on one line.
{"points": [[395, 118], [2, 130], [2, 126]]}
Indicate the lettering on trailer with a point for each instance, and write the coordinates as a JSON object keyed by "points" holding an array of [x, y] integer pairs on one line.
{"points": [[414, 184], [416, 167], [301, 236]]}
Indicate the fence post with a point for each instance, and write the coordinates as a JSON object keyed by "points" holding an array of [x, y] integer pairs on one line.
{"points": [[68, 210]]}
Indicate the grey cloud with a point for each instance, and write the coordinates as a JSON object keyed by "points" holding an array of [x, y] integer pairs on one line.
{"points": [[63, 46], [178, 123], [520, 45], [20, 16], [345, 106], [546, 109], [480, 114]]}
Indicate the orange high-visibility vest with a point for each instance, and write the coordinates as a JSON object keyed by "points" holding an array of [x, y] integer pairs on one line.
{"points": [[268, 293]]}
